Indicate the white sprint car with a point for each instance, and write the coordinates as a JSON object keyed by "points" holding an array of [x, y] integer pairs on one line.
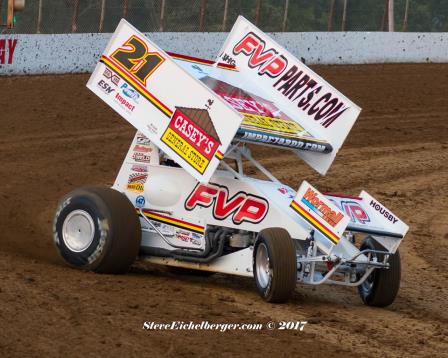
{"points": [[182, 198]]}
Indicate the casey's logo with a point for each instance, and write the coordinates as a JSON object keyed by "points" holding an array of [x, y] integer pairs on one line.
{"points": [[185, 123], [242, 206]]}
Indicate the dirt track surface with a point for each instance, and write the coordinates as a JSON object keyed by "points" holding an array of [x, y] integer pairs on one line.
{"points": [[55, 136]]}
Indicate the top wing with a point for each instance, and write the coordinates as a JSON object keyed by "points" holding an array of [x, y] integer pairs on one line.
{"points": [[263, 122], [296, 90], [178, 113]]}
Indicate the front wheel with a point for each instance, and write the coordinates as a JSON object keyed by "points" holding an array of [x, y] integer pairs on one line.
{"points": [[275, 265], [97, 229], [381, 287]]}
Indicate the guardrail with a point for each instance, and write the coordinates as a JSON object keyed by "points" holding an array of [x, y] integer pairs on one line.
{"points": [[78, 53]]}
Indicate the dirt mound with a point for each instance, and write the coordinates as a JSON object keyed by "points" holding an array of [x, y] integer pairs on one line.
{"points": [[55, 136]]}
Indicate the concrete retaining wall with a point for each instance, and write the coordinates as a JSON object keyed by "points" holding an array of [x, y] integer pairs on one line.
{"points": [[76, 53]]}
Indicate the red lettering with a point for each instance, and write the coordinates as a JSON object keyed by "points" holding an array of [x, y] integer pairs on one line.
{"points": [[274, 67], [258, 57], [247, 44], [253, 210], [12, 47], [224, 208], [2, 51], [244, 207], [203, 196]]}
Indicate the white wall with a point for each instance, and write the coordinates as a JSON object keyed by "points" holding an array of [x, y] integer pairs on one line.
{"points": [[74, 53]]}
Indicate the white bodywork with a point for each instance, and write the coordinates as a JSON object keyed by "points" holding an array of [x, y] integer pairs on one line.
{"points": [[191, 113], [166, 190]]}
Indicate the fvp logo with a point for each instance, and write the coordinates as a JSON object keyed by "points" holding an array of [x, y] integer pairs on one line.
{"points": [[242, 206], [269, 62]]}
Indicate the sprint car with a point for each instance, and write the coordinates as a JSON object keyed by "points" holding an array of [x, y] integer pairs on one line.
{"points": [[182, 197]]}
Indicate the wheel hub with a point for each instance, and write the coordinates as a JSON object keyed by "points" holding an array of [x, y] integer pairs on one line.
{"points": [[78, 230], [262, 266]]}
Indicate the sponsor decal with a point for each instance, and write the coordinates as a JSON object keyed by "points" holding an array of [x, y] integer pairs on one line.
{"points": [[326, 232], [354, 210], [383, 211], [286, 191], [7, 49], [303, 144], [130, 92], [135, 63], [141, 157], [105, 87], [139, 168], [187, 236], [246, 105], [111, 76], [192, 136], [320, 212], [166, 230], [140, 201], [154, 216], [243, 207], [142, 148], [298, 87], [268, 62], [143, 140], [124, 102], [312, 201], [283, 126], [136, 182]]}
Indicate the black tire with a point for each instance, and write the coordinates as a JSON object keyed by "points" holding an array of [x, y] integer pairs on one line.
{"points": [[381, 287], [111, 229], [282, 265]]}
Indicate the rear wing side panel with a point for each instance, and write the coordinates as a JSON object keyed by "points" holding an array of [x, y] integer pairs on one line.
{"points": [[369, 216]]}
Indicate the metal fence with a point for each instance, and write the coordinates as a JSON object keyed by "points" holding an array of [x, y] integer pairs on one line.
{"points": [[84, 16]]}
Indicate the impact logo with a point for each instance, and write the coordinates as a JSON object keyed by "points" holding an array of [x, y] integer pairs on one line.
{"points": [[242, 207], [268, 62], [312, 201]]}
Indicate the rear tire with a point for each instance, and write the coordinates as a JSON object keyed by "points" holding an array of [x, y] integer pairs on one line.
{"points": [[275, 265], [381, 287], [97, 229]]}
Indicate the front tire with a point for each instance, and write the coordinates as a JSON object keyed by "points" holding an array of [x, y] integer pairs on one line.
{"points": [[275, 265], [97, 229], [381, 287]]}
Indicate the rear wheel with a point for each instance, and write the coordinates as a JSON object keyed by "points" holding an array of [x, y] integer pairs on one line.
{"points": [[275, 265], [382, 285], [97, 229]]}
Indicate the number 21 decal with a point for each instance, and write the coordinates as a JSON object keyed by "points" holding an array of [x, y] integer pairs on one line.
{"points": [[136, 58]]}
